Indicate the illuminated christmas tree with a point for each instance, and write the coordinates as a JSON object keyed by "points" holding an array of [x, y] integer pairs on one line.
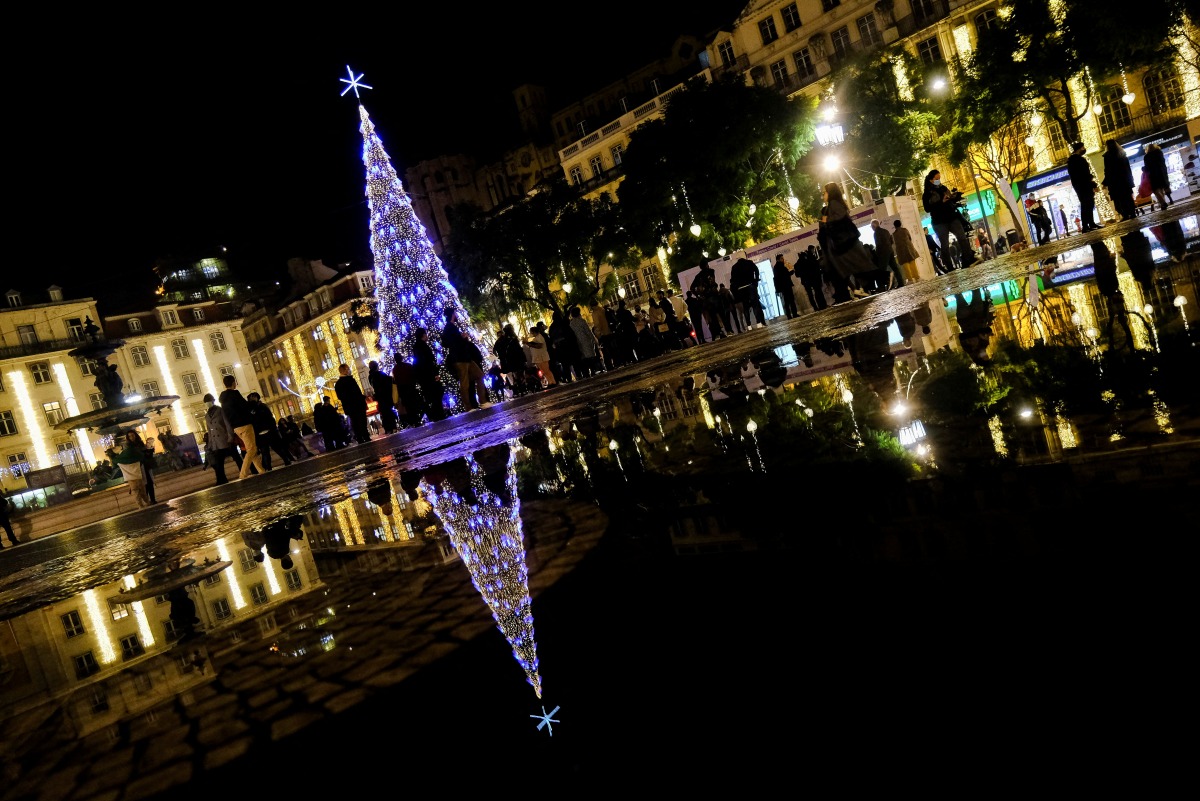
{"points": [[485, 529], [412, 289]]}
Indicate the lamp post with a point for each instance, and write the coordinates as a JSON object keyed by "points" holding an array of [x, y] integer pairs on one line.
{"points": [[830, 135]]}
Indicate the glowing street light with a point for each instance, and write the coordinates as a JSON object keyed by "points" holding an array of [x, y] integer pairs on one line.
{"points": [[832, 163]]}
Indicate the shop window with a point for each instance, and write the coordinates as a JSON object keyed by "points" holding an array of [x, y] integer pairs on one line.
{"points": [[8, 424], [867, 30], [929, 51], [180, 347], [72, 624], [1164, 93], [779, 73], [804, 63], [725, 52], [1114, 112], [40, 372], [766, 29], [791, 17], [140, 356], [217, 339]]}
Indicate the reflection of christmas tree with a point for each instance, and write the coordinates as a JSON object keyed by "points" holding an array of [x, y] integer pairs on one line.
{"points": [[485, 529], [412, 289]]}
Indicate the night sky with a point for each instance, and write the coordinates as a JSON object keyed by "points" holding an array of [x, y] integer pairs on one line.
{"points": [[137, 138]]}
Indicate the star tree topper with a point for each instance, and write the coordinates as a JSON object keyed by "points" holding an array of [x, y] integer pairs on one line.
{"points": [[353, 83]]}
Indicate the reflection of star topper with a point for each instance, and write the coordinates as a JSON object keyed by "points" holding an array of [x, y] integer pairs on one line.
{"points": [[353, 82], [546, 720]]}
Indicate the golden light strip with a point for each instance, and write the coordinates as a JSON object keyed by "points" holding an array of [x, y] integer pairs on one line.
{"points": [[139, 614], [160, 356], [962, 40], [272, 576], [903, 88], [235, 588], [1079, 301], [1189, 77], [81, 436], [997, 430], [1130, 288], [32, 423], [99, 627], [340, 334], [300, 368], [348, 519], [1089, 127], [205, 373]]}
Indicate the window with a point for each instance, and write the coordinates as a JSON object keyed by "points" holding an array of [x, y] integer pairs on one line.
{"points": [[1114, 114], [791, 18], [97, 400], [830, 5], [985, 20], [725, 51], [323, 297], [8, 425], [246, 557], [142, 683], [169, 317], [135, 324], [841, 42], [922, 9], [779, 73], [804, 64], [212, 580], [150, 389], [180, 347], [326, 362], [210, 271], [633, 289], [191, 384], [18, 464], [652, 278], [217, 340], [319, 333], [225, 369], [141, 356], [766, 29], [293, 579], [131, 647], [72, 624], [333, 332], [356, 351], [85, 665], [867, 31], [616, 152], [54, 413], [256, 363], [345, 323], [366, 283], [576, 175], [258, 594], [1164, 93], [27, 334], [40, 372], [197, 314], [1058, 140], [930, 51], [75, 329], [87, 366], [67, 454], [119, 611], [170, 632], [221, 610], [597, 165]]}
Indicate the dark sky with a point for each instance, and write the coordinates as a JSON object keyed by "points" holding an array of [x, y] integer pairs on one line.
{"points": [[137, 138]]}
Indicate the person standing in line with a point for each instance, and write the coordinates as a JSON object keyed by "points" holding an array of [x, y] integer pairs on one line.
{"points": [[266, 431], [539, 349], [7, 507], [906, 253], [743, 281], [218, 441], [328, 423], [425, 371], [781, 272], [1155, 162], [564, 351], [467, 361], [935, 253], [1041, 221], [844, 249], [511, 353], [382, 389], [942, 206], [1118, 179], [696, 314], [148, 464], [1083, 181], [588, 344], [353, 402], [885, 256], [808, 270], [237, 411]]}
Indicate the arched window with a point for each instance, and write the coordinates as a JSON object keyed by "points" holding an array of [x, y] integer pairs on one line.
{"points": [[1164, 93]]}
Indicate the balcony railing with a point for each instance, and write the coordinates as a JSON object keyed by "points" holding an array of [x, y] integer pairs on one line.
{"points": [[910, 24], [41, 346], [739, 65]]}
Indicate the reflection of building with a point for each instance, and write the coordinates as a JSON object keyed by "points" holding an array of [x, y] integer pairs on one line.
{"points": [[107, 659], [40, 384], [297, 344]]}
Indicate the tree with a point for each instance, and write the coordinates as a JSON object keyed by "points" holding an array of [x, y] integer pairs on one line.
{"points": [[515, 258], [412, 289], [719, 151]]}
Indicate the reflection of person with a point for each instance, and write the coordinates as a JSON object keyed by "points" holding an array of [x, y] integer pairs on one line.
{"points": [[6, 509], [183, 613], [975, 324], [277, 539]]}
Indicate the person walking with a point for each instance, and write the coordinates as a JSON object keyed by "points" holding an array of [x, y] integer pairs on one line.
{"points": [[385, 402], [467, 361], [781, 272], [1083, 181], [845, 250], [942, 206], [1041, 220], [743, 282], [218, 441], [237, 411], [7, 509], [266, 431], [906, 253], [353, 402], [1118, 179], [935, 253], [129, 460], [1155, 163], [808, 270]]}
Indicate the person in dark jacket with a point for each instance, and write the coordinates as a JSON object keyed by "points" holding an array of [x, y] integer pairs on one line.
{"points": [[237, 412], [353, 403], [1118, 179], [466, 359], [511, 353], [942, 206], [565, 347], [1155, 163], [425, 371], [381, 388], [808, 270], [1083, 181], [329, 424], [266, 431], [743, 282], [6, 509], [781, 272]]}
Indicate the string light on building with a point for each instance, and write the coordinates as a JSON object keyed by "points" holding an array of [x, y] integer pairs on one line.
{"points": [[206, 375], [33, 424], [164, 371], [81, 434]]}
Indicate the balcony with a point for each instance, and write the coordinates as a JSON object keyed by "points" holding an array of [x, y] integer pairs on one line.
{"points": [[625, 122], [739, 65], [912, 23], [39, 347]]}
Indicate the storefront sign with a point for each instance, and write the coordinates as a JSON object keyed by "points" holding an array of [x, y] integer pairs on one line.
{"points": [[1045, 179], [50, 477], [1164, 139], [1071, 276]]}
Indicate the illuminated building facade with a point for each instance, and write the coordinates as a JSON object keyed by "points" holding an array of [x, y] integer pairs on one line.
{"points": [[40, 384]]}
